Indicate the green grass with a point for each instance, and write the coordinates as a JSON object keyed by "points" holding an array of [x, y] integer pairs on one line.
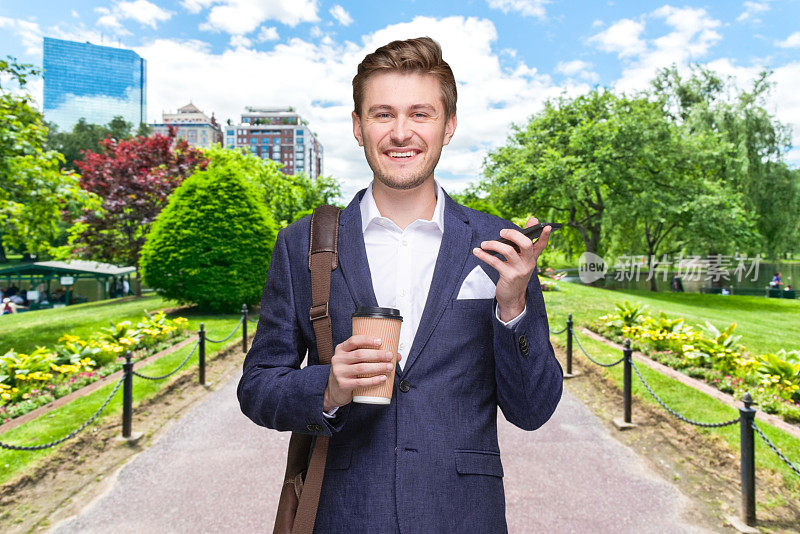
{"points": [[64, 420], [765, 325], [24, 332]]}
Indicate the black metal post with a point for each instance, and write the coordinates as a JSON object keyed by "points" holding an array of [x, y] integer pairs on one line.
{"points": [[244, 328], [626, 380], [202, 354], [569, 344], [746, 417], [127, 396]]}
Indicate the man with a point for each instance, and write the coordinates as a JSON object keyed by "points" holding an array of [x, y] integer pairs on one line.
{"points": [[474, 333]]}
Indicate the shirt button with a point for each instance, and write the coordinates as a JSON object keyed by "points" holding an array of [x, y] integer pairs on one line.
{"points": [[404, 386], [402, 346], [402, 292], [405, 242]]}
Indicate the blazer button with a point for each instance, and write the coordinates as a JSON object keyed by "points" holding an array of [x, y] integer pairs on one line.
{"points": [[315, 428], [523, 344], [404, 386]]}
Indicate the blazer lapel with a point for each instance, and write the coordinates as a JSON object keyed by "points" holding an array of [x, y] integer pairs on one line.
{"points": [[453, 253], [353, 254]]}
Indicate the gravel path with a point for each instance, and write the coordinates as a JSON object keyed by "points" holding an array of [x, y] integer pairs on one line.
{"points": [[215, 471]]}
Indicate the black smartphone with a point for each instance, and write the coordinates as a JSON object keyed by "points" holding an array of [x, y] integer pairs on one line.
{"points": [[532, 232]]}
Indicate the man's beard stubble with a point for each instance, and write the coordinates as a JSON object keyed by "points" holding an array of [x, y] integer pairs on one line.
{"points": [[410, 182]]}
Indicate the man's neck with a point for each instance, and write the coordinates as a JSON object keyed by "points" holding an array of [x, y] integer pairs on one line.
{"points": [[404, 206]]}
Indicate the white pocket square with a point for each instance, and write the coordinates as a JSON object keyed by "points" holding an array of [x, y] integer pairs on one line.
{"points": [[477, 285]]}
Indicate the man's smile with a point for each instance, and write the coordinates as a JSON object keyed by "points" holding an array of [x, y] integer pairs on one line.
{"points": [[405, 155]]}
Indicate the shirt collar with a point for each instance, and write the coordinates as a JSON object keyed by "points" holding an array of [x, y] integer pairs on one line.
{"points": [[370, 212]]}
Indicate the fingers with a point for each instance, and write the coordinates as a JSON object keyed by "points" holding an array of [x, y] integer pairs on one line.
{"points": [[357, 341]]}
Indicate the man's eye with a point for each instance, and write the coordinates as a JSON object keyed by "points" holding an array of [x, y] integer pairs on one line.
{"points": [[382, 115], [420, 115]]}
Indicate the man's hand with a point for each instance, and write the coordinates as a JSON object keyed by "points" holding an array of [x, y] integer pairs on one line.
{"points": [[516, 271], [350, 361]]}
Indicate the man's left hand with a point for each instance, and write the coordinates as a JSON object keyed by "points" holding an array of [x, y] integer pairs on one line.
{"points": [[516, 271]]}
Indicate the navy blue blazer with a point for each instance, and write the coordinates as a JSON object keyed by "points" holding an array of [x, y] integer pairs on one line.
{"points": [[429, 461]]}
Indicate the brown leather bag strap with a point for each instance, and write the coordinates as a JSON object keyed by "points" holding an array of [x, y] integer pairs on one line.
{"points": [[322, 260]]}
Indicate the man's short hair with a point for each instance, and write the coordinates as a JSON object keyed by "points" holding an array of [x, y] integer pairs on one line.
{"points": [[422, 55]]}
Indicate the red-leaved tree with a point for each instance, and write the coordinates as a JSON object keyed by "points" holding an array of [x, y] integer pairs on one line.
{"points": [[134, 179]]}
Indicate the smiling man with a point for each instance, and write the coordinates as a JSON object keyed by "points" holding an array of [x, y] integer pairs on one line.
{"points": [[474, 334]]}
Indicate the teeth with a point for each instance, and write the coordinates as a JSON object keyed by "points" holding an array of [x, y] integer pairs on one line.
{"points": [[401, 154]]}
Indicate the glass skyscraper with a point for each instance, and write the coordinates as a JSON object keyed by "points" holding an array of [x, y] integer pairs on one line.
{"points": [[93, 82]]}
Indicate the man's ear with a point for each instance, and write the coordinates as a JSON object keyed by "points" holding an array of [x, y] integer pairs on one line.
{"points": [[357, 128], [449, 129]]}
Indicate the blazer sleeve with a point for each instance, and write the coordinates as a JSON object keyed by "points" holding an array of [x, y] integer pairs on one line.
{"points": [[529, 378], [274, 391]]}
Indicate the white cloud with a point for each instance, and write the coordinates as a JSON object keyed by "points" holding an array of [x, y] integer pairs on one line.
{"points": [[623, 37], [693, 33], [576, 67], [268, 34], [751, 10], [490, 95], [196, 6], [527, 8], [144, 12], [240, 40], [244, 16], [28, 32], [793, 41], [340, 14]]}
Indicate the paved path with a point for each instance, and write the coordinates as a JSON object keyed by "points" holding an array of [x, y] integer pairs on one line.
{"points": [[215, 471]]}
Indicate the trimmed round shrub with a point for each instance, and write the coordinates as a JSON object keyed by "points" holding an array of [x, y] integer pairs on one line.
{"points": [[211, 244]]}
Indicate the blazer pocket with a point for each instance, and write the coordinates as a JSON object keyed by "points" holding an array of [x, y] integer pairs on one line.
{"points": [[472, 304], [339, 458], [479, 463]]}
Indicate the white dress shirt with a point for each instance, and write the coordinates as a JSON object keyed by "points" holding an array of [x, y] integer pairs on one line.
{"points": [[401, 264]]}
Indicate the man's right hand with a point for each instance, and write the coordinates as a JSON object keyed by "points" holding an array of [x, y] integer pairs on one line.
{"points": [[354, 357]]}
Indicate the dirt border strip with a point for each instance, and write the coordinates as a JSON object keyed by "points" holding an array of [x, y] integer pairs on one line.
{"points": [[82, 392], [699, 385]]}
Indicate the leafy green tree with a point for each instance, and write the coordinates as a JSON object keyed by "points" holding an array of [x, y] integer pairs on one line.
{"points": [[285, 196], [34, 193], [84, 138], [704, 102], [212, 244], [563, 166]]}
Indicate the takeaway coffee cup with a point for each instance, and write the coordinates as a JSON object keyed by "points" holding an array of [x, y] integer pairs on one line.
{"points": [[383, 323]]}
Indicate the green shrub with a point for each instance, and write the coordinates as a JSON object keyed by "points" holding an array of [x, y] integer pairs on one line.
{"points": [[212, 244]]}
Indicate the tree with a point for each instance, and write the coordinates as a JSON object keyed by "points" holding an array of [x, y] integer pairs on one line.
{"points": [[704, 102], [284, 195], [85, 137], [133, 178], [562, 166], [212, 244], [33, 191]]}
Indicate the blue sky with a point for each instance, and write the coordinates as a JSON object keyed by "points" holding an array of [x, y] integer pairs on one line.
{"points": [[509, 56]]}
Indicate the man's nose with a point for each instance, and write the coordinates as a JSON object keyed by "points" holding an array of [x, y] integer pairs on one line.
{"points": [[400, 131]]}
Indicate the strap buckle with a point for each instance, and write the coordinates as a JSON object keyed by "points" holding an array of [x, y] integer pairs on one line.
{"points": [[318, 312]]}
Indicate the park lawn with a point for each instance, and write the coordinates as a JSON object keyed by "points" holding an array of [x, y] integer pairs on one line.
{"points": [[61, 421], [24, 332], [766, 325], [750, 313]]}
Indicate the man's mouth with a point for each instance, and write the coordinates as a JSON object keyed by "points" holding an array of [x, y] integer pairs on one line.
{"points": [[401, 155]]}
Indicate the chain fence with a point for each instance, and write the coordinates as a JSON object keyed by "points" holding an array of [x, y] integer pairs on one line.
{"points": [[235, 328], [71, 434], [776, 450], [555, 333], [578, 341], [162, 377], [673, 412]]}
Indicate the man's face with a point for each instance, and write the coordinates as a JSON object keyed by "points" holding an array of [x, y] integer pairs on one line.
{"points": [[402, 127]]}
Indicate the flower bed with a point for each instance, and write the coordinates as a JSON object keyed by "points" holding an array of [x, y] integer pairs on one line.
{"points": [[28, 381], [715, 356]]}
